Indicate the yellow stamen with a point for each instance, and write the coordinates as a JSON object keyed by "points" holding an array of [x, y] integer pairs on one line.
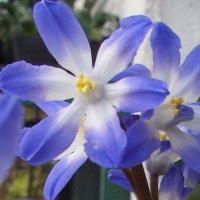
{"points": [[162, 135], [175, 102], [83, 84]]}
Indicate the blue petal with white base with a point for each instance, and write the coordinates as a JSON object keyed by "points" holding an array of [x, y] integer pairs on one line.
{"points": [[136, 94], [172, 185], [63, 35], [194, 123], [51, 136], [166, 56], [187, 146], [37, 83], [162, 159], [187, 84], [105, 138], [62, 173], [117, 52]]}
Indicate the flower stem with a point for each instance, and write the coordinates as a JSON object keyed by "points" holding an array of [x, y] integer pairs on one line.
{"points": [[128, 174], [141, 187], [137, 178], [154, 186]]}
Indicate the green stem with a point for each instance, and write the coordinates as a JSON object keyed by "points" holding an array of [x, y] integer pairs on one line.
{"points": [[154, 186]]}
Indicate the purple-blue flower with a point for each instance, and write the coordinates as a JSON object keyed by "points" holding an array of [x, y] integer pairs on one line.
{"points": [[162, 159], [11, 123], [177, 118], [141, 143], [183, 84], [95, 99], [174, 185]]}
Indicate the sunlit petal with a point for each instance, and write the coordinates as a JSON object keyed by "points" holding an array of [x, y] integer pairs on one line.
{"points": [[194, 123], [105, 138], [136, 94], [37, 83], [172, 185], [118, 51], [63, 35], [187, 84], [166, 56], [187, 146], [53, 135], [162, 159], [62, 173]]}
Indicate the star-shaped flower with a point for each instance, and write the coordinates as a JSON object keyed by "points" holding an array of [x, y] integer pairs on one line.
{"points": [[94, 97]]}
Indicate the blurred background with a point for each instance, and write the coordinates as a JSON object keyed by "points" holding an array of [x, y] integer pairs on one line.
{"points": [[19, 40]]}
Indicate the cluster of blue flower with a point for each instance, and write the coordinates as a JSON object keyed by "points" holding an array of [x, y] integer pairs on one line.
{"points": [[158, 125]]}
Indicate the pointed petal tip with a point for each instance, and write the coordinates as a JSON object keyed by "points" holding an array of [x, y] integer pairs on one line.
{"points": [[135, 20]]}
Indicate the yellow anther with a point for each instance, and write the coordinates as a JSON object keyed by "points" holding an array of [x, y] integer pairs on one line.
{"points": [[83, 84], [175, 102], [162, 135]]}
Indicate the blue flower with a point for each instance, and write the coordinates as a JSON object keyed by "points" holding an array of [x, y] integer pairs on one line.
{"points": [[94, 98], [162, 159], [10, 126], [178, 109], [141, 142], [177, 118], [174, 184]]}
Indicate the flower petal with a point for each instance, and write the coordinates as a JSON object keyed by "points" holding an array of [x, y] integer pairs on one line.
{"points": [[172, 185], [63, 36], [187, 146], [117, 177], [136, 94], [37, 83], [10, 125], [117, 52], [165, 45], [185, 113], [105, 138], [51, 107], [194, 123], [62, 173], [53, 135], [162, 159], [185, 193], [133, 70], [129, 119], [187, 84], [191, 176], [141, 142]]}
